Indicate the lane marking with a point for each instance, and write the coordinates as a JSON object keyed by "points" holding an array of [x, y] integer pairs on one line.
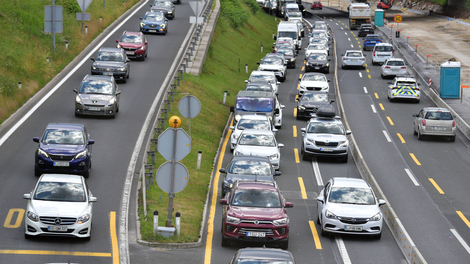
{"points": [[9, 218], [365, 90], [349, 39], [295, 112], [464, 219], [296, 155], [373, 109], [114, 241], [390, 120], [316, 171], [382, 106], [316, 238], [294, 128], [352, 46], [300, 76], [386, 136], [413, 179], [436, 186], [366, 65], [376, 96], [401, 138], [302, 188], [55, 253], [360, 74], [298, 86], [370, 77], [460, 239], [367, 70], [342, 250], [415, 159]]}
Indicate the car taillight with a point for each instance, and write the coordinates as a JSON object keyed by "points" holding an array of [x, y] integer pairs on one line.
{"points": [[345, 58], [395, 87], [374, 52], [423, 122], [387, 67], [393, 53], [453, 123], [404, 67], [363, 59]]}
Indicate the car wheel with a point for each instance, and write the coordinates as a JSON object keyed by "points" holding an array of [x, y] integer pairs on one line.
{"points": [[117, 109], [305, 157], [143, 58], [344, 159], [37, 172], [86, 174], [378, 236], [278, 127], [224, 243], [420, 137], [414, 131], [125, 80], [327, 71], [323, 233], [76, 114], [417, 101], [342, 67], [452, 139], [297, 117], [285, 245], [318, 220], [381, 75]]}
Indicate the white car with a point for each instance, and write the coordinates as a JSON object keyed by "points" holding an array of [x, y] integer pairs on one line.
{"points": [[275, 65], [349, 206], [59, 205], [264, 76], [382, 52], [404, 88], [316, 48], [353, 58], [323, 41], [320, 33], [393, 67], [259, 143], [256, 122], [278, 116], [313, 81]]}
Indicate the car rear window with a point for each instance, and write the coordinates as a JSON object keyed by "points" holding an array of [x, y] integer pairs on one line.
{"points": [[438, 116], [383, 48], [373, 37], [395, 63]]}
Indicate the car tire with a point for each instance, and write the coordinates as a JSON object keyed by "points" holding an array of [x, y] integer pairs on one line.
{"points": [[143, 58], [420, 137], [414, 131], [37, 172], [327, 71], [125, 80], [297, 117], [224, 242], [342, 67], [344, 159], [381, 75], [417, 101], [86, 174], [76, 114], [117, 109], [232, 149], [318, 220], [305, 157], [452, 139], [284, 245], [323, 233], [379, 236]]}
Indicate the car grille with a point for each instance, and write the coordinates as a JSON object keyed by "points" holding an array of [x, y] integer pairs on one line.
{"points": [[62, 157], [331, 144], [94, 105], [352, 220], [260, 222], [107, 69], [130, 49], [152, 26], [267, 231], [314, 88], [307, 111], [51, 220]]}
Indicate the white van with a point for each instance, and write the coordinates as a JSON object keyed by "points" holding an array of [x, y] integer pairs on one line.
{"points": [[382, 52], [288, 29]]}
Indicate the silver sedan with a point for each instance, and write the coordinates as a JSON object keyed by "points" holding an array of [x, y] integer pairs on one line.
{"points": [[98, 95], [353, 58], [434, 121]]}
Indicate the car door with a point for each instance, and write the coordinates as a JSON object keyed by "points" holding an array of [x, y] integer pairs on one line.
{"points": [[324, 195], [419, 119]]}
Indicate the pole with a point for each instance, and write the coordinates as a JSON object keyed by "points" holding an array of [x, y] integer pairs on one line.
{"points": [[83, 4], [53, 26], [172, 193], [197, 16], [189, 115]]}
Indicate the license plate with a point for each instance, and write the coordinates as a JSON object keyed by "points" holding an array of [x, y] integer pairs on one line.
{"points": [[57, 228], [61, 163], [438, 128], [395, 70], [152, 30], [129, 52], [93, 109], [372, 41], [317, 68], [326, 149], [353, 228], [255, 234], [107, 73]]}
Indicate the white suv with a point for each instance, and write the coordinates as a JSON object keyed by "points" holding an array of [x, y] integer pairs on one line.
{"points": [[382, 52]]}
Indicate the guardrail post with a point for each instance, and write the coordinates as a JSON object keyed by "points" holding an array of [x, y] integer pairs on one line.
{"points": [[170, 93], [155, 143], [167, 102], [162, 122], [181, 74], [152, 154], [158, 130], [174, 89], [177, 80], [165, 111], [150, 173]]}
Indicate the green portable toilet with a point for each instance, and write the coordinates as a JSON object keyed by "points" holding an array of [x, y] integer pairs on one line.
{"points": [[379, 18], [450, 79]]}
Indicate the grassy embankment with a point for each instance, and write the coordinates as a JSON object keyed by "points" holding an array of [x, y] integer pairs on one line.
{"points": [[236, 42], [25, 47]]}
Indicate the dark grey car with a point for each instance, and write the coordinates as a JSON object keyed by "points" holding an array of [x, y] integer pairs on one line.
{"points": [[166, 6], [112, 62], [309, 103], [97, 95]]}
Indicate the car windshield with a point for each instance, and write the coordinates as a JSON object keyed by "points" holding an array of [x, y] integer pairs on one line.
{"points": [[288, 52], [162, 3], [155, 16], [295, 14], [253, 124], [383, 48], [257, 140], [318, 35], [350, 195], [314, 77], [317, 57], [287, 34], [263, 78], [395, 63], [250, 167], [318, 41], [254, 104], [325, 128], [354, 54], [366, 26], [109, 56], [320, 26], [263, 261], [271, 61], [283, 45], [438, 116], [60, 191], [316, 47], [315, 97], [256, 198], [259, 87], [96, 87], [131, 39], [63, 136]]}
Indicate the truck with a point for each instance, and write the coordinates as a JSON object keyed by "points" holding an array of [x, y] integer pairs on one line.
{"points": [[359, 13]]}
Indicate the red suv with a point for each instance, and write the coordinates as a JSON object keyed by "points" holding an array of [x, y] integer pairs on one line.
{"points": [[316, 5], [134, 44], [255, 211]]}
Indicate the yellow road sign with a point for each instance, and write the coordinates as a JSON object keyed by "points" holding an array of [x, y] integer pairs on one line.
{"points": [[398, 18]]}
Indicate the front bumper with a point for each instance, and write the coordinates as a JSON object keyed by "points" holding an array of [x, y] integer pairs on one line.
{"points": [[75, 166], [273, 234], [324, 151], [95, 110], [316, 68], [156, 30], [338, 227], [118, 75], [42, 229]]}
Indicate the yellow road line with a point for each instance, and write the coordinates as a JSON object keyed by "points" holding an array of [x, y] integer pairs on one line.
{"points": [[114, 241], [415, 159], [55, 253], [303, 67], [465, 220], [436, 186], [369, 75], [294, 131], [300, 76], [367, 70], [366, 66], [315, 234], [210, 227], [302, 188], [298, 85], [390, 120], [296, 155], [376, 96], [19, 212], [382, 106], [401, 138], [295, 112]]}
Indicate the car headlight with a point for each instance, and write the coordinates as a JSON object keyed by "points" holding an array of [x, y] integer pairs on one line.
{"points": [[118, 46], [237, 117], [282, 221], [227, 183], [325, 88], [280, 69], [303, 87], [43, 153], [235, 136], [343, 143], [112, 101], [142, 24], [238, 153], [122, 69], [32, 216], [309, 140], [301, 108], [292, 59], [261, 69], [376, 217], [162, 25], [142, 48], [78, 100], [83, 218], [170, 12], [93, 67], [274, 156], [233, 220], [81, 155], [329, 214]]}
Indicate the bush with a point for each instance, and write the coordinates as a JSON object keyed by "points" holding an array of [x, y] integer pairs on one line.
{"points": [[234, 12]]}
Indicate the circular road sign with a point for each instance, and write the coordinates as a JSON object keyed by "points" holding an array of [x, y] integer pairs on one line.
{"points": [[189, 106], [398, 18], [165, 177]]}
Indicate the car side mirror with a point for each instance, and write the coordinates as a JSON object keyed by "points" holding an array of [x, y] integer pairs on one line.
{"points": [[141, 18], [277, 173], [92, 199], [91, 142], [93, 59], [382, 202], [332, 101], [320, 199], [329, 80], [118, 92], [128, 60], [246, 81], [232, 109], [36, 139], [27, 196], [223, 201], [303, 129], [289, 205], [329, 59], [348, 132], [232, 127], [297, 99], [117, 40], [414, 115], [278, 83], [258, 63], [283, 106], [222, 170], [150, 5], [275, 37], [146, 42], [280, 145], [75, 91]]}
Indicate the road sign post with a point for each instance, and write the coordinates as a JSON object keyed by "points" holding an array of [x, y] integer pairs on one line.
{"points": [[53, 21], [189, 106]]}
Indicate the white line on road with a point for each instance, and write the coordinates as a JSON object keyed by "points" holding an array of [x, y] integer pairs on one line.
{"points": [[352, 46], [373, 109], [365, 90], [316, 171], [413, 179], [360, 75], [342, 250], [386, 136], [460, 239], [349, 39]]}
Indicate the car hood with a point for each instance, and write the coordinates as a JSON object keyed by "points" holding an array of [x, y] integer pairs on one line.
{"points": [[270, 67], [316, 61], [153, 22], [109, 64], [313, 104], [323, 137], [314, 84], [59, 209], [96, 98], [256, 150], [257, 213], [353, 210], [231, 178], [161, 8], [130, 45], [58, 149]]}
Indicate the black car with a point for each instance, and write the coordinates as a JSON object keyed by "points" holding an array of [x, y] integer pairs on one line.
{"points": [[365, 29], [262, 255], [166, 6], [289, 56], [309, 103], [241, 168], [317, 62], [113, 62]]}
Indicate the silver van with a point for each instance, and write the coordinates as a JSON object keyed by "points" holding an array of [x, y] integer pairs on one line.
{"points": [[382, 52]]}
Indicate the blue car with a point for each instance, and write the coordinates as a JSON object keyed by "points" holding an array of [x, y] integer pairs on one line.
{"points": [[370, 40], [63, 148], [154, 22]]}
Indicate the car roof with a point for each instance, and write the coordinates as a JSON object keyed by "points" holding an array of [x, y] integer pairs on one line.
{"points": [[258, 185], [325, 119], [437, 109], [110, 49], [254, 117], [265, 254], [65, 126], [406, 79], [134, 33], [251, 158], [255, 94], [383, 44], [352, 51], [98, 77], [349, 182], [395, 59], [257, 132], [313, 73], [61, 178]]}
